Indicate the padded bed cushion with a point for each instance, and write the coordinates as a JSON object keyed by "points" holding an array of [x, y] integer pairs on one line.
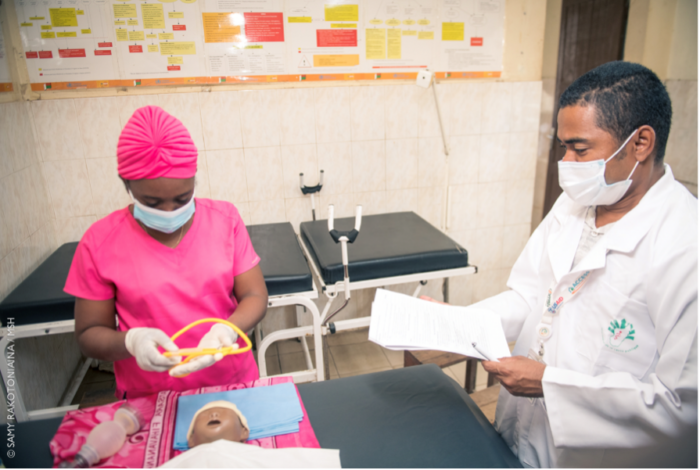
{"points": [[281, 259], [388, 245]]}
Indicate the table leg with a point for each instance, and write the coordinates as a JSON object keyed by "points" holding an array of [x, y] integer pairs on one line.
{"points": [[470, 381]]}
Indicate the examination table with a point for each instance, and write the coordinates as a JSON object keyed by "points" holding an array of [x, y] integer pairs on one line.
{"points": [[413, 417]]}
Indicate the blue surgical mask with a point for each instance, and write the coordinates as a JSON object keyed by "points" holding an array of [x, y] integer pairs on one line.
{"points": [[163, 221]]}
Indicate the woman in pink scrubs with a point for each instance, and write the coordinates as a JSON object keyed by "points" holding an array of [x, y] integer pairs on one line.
{"points": [[144, 272]]}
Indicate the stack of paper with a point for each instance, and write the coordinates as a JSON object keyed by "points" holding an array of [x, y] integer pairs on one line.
{"points": [[403, 322], [270, 411]]}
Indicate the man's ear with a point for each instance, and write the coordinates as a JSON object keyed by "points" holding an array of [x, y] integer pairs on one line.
{"points": [[644, 143]]}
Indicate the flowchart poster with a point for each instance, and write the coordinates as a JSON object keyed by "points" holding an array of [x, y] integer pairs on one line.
{"points": [[244, 37], [471, 35], [401, 35], [325, 36], [158, 39], [5, 78], [67, 40]]}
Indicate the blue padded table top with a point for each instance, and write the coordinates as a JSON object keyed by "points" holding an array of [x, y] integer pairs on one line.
{"points": [[388, 245], [40, 297], [403, 418]]}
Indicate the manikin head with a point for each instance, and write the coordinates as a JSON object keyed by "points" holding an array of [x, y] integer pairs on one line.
{"points": [[217, 420]]}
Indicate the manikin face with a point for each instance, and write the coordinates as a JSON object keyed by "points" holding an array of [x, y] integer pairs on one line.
{"points": [[217, 423]]}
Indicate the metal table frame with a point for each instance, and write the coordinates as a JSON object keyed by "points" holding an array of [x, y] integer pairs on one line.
{"points": [[29, 331]]}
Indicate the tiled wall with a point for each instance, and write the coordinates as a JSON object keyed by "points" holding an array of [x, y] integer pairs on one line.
{"points": [[27, 238], [682, 147]]}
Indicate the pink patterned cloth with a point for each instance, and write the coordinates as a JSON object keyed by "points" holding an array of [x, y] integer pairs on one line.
{"points": [[152, 446], [154, 144]]}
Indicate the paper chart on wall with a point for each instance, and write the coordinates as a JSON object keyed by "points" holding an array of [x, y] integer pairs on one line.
{"points": [[5, 78], [471, 35], [400, 35], [67, 40], [158, 39], [324, 36], [244, 37]]}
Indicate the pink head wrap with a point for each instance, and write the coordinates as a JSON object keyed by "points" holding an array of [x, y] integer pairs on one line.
{"points": [[154, 144]]}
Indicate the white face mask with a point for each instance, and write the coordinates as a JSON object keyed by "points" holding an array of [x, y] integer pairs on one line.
{"points": [[584, 182], [163, 221]]}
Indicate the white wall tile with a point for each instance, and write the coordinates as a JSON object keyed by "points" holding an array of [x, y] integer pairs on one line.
{"points": [[267, 212], [489, 282], [108, 191], [58, 131], [227, 175], [402, 200], [299, 159], [6, 153], [264, 175], [521, 162], [221, 120], [343, 205], [335, 159], [185, 107], [36, 203], [129, 104], [463, 207], [72, 229], [515, 238], [518, 201], [464, 107], [98, 119], [432, 162], [526, 97], [496, 111], [201, 178], [369, 166], [491, 202], [401, 111], [18, 141], [464, 159], [367, 112], [12, 205], [493, 158], [298, 124], [260, 117], [401, 163], [8, 241], [461, 290], [430, 205], [372, 202], [12, 272], [428, 121], [298, 210], [487, 249], [332, 106], [69, 188]]}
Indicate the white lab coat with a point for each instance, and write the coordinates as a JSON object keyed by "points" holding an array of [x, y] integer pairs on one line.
{"points": [[609, 401]]}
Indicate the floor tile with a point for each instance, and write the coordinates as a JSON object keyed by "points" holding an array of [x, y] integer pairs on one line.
{"points": [[349, 337], [352, 359], [363, 372], [293, 346], [295, 362], [395, 357], [95, 375]]}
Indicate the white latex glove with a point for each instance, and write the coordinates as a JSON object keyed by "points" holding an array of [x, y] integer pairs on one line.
{"points": [[219, 336], [143, 344]]}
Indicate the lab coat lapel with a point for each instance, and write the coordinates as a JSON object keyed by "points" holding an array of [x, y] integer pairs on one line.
{"points": [[563, 242], [627, 232]]}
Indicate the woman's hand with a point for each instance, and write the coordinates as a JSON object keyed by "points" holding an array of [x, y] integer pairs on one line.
{"points": [[219, 336], [430, 299], [142, 343], [521, 376]]}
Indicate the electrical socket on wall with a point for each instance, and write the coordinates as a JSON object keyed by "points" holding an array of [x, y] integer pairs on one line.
{"points": [[424, 78]]}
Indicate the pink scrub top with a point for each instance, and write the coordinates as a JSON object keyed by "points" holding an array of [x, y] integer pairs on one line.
{"points": [[168, 288]]}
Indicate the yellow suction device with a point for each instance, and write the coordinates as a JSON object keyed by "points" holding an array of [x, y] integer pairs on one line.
{"points": [[191, 353]]}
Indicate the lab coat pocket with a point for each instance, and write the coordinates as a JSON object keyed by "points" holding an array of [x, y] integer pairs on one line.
{"points": [[627, 340]]}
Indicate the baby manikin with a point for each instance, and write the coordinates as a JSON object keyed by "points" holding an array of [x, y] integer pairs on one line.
{"points": [[217, 420]]}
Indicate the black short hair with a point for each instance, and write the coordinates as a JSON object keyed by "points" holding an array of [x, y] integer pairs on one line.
{"points": [[626, 96]]}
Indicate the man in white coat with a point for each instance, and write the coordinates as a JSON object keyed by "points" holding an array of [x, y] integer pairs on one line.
{"points": [[603, 299]]}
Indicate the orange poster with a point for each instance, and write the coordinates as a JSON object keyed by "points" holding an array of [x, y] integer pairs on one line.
{"points": [[219, 27]]}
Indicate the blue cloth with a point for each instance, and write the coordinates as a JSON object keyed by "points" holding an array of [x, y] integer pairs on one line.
{"points": [[270, 411]]}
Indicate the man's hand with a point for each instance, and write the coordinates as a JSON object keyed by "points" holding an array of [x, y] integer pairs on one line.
{"points": [[521, 376]]}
